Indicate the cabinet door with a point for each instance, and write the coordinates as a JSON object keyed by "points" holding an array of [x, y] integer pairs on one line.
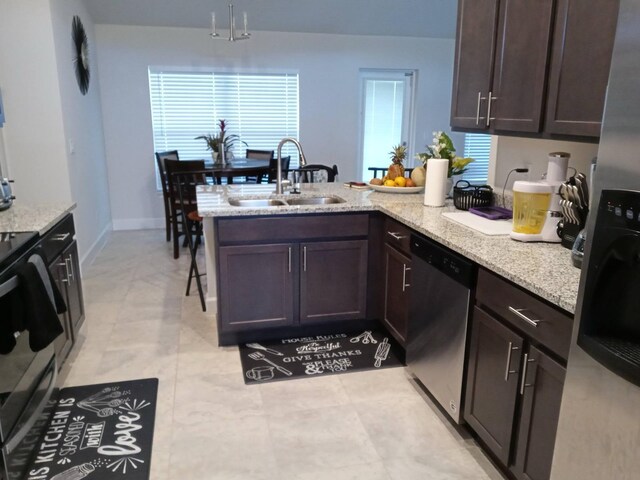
{"points": [[396, 294], [475, 41], [492, 382], [541, 389], [256, 286], [63, 343], [521, 65], [581, 57], [74, 298], [333, 281]]}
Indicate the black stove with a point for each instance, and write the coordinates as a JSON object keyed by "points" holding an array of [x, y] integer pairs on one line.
{"points": [[14, 244]]}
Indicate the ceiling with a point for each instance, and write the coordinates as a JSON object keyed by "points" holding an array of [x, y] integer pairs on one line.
{"points": [[411, 18]]}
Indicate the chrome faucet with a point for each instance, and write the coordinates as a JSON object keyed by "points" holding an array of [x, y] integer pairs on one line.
{"points": [[303, 160]]}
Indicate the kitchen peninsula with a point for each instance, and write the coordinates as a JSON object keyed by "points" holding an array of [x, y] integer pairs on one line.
{"points": [[541, 268]]}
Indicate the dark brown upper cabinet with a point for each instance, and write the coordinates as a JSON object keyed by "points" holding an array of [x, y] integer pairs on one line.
{"points": [[500, 64], [475, 48], [536, 69], [580, 61], [520, 68]]}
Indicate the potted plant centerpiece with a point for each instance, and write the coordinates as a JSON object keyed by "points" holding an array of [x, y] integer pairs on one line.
{"points": [[442, 147], [221, 144]]}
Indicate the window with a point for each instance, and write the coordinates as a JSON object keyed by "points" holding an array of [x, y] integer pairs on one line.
{"points": [[386, 117], [260, 108], [478, 147]]}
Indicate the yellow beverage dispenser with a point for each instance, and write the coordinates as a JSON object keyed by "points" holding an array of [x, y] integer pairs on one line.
{"points": [[536, 205]]}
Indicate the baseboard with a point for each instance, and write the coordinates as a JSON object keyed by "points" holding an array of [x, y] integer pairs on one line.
{"points": [[212, 305], [97, 246], [138, 223]]}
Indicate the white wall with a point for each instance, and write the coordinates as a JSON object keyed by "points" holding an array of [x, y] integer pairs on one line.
{"points": [[329, 95], [82, 119], [513, 152], [45, 111], [33, 132]]}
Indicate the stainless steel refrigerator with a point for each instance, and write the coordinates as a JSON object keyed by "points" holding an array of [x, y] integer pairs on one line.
{"points": [[599, 429]]}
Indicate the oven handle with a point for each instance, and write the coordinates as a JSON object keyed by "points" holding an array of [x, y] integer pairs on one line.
{"points": [[15, 440]]}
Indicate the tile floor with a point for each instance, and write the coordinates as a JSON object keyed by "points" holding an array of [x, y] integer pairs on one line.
{"points": [[373, 425]]}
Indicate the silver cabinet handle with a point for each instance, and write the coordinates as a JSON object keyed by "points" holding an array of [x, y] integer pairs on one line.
{"points": [[490, 98], [289, 259], [523, 380], [304, 259], [70, 272], [507, 370], [66, 270], [478, 117], [405, 269], [518, 312], [397, 236], [60, 237]]}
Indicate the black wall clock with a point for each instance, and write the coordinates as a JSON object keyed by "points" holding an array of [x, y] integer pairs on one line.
{"points": [[80, 54]]}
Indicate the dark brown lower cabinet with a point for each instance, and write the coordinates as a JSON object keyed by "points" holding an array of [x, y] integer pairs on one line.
{"points": [[256, 286], [73, 285], [333, 281], [495, 354], [279, 285], [542, 393], [63, 343], [60, 249], [396, 296], [513, 397]]}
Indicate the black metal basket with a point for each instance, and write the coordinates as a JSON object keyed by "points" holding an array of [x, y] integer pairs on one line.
{"points": [[466, 196]]}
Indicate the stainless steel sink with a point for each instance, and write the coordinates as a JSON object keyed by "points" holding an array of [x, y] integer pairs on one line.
{"points": [[314, 200], [256, 202]]}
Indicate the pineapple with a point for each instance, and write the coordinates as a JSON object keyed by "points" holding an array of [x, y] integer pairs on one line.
{"points": [[396, 169]]}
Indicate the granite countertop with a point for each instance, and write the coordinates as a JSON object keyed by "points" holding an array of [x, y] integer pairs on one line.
{"points": [[33, 218], [542, 268]]}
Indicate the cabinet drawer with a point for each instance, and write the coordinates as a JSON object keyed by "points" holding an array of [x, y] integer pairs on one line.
{"points": [[527, 313], [291, 228], [398, 235], [59, 237]]}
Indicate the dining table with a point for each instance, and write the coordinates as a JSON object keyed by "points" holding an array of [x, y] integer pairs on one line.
{"points": [[238, 167]]}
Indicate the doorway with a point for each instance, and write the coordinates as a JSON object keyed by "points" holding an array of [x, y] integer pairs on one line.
{"points": [[386, 117]]}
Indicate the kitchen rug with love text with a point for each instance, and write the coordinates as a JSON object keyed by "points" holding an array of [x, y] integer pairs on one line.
{"points": [[318, 355], [99, 432]]}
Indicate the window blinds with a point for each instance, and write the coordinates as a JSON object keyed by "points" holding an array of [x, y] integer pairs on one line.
{"points": [[260, 108], [478, 147]]}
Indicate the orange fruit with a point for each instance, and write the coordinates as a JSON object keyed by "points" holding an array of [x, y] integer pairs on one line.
{"points": [[410, 183]]}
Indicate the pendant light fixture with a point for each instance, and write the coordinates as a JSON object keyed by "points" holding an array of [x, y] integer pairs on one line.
{"points": [[233, 37]]}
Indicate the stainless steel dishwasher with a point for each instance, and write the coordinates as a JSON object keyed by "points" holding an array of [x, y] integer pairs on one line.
{"points": [[439, 310]]}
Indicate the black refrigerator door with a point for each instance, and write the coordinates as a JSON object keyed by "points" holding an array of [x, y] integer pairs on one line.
{"points": [[610, 325]]}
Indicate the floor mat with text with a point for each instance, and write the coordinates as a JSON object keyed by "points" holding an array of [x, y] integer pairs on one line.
{"points": [[99, 432], [318, 355]]}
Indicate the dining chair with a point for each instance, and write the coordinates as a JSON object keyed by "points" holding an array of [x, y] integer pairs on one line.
{"points": [[172, 167], [185, 184], [160, 159], [258, 155], [273, 168], [318, 173]]}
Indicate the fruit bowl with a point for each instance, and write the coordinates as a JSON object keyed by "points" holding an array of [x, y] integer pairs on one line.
{"points": [[382, 188]]}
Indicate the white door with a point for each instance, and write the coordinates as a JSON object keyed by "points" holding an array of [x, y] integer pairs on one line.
{"points": [[386, 117]]}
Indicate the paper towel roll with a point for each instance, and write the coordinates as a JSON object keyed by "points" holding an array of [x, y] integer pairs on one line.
{"points": [[435, 188]]}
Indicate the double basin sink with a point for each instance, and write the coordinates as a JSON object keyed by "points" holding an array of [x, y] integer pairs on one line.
{"points": [[289, 202]]}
